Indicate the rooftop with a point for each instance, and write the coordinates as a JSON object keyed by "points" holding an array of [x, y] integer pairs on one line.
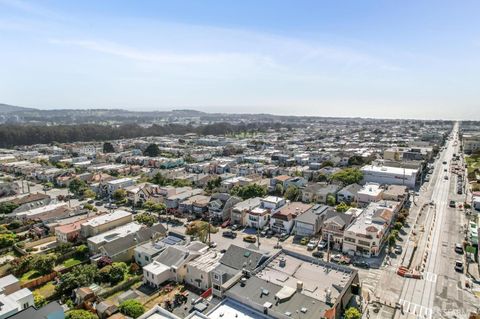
{"points": [[103, 219]]}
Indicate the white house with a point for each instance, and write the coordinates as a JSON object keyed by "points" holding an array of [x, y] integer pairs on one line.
{"points": [[370, 193], [199, 270], [13, 298]]}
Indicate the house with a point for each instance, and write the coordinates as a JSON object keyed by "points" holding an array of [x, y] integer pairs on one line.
{"points": [[199, 270], [137, 195], [105, 309], [145, 253], [295, 181], [171, 264], [370, 193], [195, 205], [13, 298], [69, 232], [318, 192], [172, 202], [366, 235], [52, 310], [310, 222], [105, 223], [284, 219], [234, 261], [30, 201], [221, 205], [116, 184], [333, 227], [45, 213], [9, 189], [119, 244], [389, 175], [349, 194], [241, 210], [396, 193]]}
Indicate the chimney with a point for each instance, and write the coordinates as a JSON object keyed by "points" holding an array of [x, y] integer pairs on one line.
{"points": [[299, 286]]}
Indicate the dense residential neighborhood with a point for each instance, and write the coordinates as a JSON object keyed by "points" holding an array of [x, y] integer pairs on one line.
{"points": [[305, 222]]}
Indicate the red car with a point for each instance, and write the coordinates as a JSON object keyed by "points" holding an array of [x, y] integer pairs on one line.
{"points": [[226, 223]]}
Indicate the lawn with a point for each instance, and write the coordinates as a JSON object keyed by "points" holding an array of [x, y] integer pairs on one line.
{"points": [[46, 290], [30, 275], [71, 262], [473, 162]]}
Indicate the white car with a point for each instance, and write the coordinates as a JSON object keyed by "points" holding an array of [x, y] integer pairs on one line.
{"points": [[312, 244]]}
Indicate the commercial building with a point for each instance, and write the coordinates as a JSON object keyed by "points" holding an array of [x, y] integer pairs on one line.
{"points": [[389, 175], [105, 223]]}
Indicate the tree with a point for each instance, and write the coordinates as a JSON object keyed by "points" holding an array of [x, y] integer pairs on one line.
{"points": [[81, 251], [200, 229], [292, 193], [79, 276], [248, 191], [392, 240], [159, 179], [355, 160], [77, 186], [327, 164], [120, 194], [7, 239], [108, 148], [348, 176], [278, 189], [342, 207], [398, 226], [39, 300], [152, 150], [43, 263], [353, 313], [117, 273], [7, 207], [331, 200], [104, 261], [146, 219], [80, 314], [132, 308], [88, 193]]}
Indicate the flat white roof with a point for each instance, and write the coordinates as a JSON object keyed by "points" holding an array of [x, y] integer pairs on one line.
{"points": [[7, 281], [231, 309], [41, 210], [156, 268], [115, 233], [390, 170], [103, 219], [121, 180]]}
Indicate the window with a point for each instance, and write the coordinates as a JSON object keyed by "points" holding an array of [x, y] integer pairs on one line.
{"points": [[216, 277], [146, 258]]}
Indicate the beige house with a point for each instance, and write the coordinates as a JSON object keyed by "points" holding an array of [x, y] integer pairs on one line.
{"points": [[105, 223]]}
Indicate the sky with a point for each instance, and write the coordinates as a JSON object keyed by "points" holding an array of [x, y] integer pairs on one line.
{"points": [[387, 59]]}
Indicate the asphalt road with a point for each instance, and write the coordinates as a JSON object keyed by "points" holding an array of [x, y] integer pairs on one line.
{"points": [[441, 293]]}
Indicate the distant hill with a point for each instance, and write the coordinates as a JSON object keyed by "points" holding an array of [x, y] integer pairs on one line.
{"points": [[6, 108]]}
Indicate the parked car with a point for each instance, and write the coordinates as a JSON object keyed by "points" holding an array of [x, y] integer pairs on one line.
{"points": [[336, 258], [317, 254], [398, 249], [312, 244], [269, 233], [212, 244], [98, 203], [250, 239], [361, 264], [263, 233], [284, 237], [90, 201], [322, 244], [459, 266], [229, 234], [459, 249], [235, 227], [452, 204], [304, 241]]}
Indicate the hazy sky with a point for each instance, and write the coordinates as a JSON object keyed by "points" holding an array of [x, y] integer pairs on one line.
{"points": [[417, 59]]}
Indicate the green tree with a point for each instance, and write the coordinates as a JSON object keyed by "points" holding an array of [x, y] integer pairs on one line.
{"points": [[81, 251], [248, 191], [292, 193], [348, 176], [79, 276], [353, 313], [7, 207], [279, 189], [39, 300], [199, 229], [398, 226], [117, 273], [108, 148], [392, 240], [152, 150], [132, 308], [327, 164], [43, 263], [88, 193], [342, 207], [7, 239], [146, 219], [331, 200], [80, 314], [77, 186], [159, 179], [355, 160], [120, 194]]}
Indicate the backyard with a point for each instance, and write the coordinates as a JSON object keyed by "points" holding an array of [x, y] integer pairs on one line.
{"points": [[473, 170]]}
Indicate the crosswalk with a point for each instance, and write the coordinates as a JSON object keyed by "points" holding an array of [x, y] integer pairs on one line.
{"points": [[370, 281], [420, 312], [430, 276]]}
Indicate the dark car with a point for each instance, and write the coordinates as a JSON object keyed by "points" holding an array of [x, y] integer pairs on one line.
{"points": [[361, 264], [452, 203], [229, 234], [459, 248], [235, 227], [317, 254]]}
